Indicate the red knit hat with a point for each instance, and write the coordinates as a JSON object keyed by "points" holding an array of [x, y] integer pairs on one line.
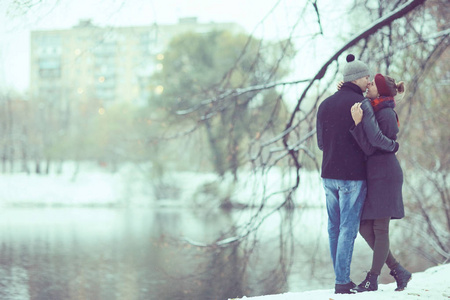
{"points": [[382, 87]]}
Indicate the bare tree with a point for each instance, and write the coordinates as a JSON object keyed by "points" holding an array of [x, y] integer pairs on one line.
{"points": [[295, 145], [389, 41]]}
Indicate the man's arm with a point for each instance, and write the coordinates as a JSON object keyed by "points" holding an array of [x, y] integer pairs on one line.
{"points": [[319, 131]]}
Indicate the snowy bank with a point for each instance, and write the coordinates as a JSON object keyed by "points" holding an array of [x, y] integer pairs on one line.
{"points": [[433, 283], [92, 184]]}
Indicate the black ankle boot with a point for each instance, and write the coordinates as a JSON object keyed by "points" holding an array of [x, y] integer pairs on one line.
{"points": [[369, 284], [346, 288], [402, 276]]}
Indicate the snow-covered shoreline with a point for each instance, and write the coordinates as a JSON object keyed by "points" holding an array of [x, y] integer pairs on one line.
{"points": [[94, 185], [433, 283]]}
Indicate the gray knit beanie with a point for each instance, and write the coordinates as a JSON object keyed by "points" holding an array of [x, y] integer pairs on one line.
{"points": [[354, 69]]}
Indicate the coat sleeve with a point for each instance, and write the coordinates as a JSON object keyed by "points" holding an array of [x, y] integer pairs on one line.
{"points": [[375, 137], [360, 136], [319, 131]]}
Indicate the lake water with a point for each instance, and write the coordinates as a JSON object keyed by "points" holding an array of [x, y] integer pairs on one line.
{"points": [[107, 254]]}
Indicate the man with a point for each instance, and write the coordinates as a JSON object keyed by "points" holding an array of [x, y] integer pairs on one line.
{"points": [[343, 169]]}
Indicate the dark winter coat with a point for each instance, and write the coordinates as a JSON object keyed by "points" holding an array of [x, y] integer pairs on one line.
{"points": [[342, 157], [384, 174]]}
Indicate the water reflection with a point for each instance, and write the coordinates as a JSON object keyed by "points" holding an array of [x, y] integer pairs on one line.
{"points": [[109, 254]]}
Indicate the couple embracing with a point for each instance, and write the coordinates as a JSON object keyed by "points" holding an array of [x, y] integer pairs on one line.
{"points": [[362, 177]]}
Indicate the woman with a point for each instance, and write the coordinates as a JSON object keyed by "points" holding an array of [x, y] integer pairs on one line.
{"points": [[384, 178]]}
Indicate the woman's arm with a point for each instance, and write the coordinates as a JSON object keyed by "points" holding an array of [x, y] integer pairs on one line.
{"points": [[374, 135], [360, 136]]}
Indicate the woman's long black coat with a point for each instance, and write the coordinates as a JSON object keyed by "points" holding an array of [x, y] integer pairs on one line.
{"points": [[384, 174]]}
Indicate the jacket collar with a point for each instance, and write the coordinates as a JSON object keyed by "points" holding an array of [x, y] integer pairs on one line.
{"points": [[351, 86]]}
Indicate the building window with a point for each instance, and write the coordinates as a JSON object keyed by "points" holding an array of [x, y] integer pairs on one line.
{"points": [[49, 68]]}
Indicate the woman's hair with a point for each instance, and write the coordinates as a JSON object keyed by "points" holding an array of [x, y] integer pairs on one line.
{"points": [[394, 87]]}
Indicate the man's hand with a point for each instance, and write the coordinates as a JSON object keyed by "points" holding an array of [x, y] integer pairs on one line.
{"points": [[339, 85], [357, 113]]}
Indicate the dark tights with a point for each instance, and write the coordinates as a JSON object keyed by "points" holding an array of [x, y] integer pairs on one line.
{"points": [[376, 234]]}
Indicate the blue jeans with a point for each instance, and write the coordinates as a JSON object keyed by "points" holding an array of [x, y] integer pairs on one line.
{"points": [[345, 199]]}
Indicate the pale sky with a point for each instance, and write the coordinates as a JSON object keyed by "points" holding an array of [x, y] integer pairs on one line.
{"points": [[64, 14]]}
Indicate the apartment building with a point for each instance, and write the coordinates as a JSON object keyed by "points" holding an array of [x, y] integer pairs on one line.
{"points": [[104, 65]]}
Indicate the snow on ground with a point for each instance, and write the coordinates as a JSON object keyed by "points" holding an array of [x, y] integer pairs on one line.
{"points": [[433, 283]]}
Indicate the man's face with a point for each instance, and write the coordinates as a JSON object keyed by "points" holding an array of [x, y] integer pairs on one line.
{"points": [[363, 83]]}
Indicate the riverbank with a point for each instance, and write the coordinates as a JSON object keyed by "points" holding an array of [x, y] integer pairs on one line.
{"points": [[434, 283], [91, 184]]}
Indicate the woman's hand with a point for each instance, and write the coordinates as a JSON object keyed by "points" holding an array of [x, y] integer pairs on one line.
{"points": [[357, 113], [339, 85]]}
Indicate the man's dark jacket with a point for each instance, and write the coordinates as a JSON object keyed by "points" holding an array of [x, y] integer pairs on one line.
{"points": [[342, 157]]}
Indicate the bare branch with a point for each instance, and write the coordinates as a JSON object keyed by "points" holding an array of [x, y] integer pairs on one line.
{"points": [[374, 27], [316, 9], [239, 92]]}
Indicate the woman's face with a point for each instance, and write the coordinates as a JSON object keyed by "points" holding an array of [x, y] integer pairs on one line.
{"points": [[372, 91]]}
